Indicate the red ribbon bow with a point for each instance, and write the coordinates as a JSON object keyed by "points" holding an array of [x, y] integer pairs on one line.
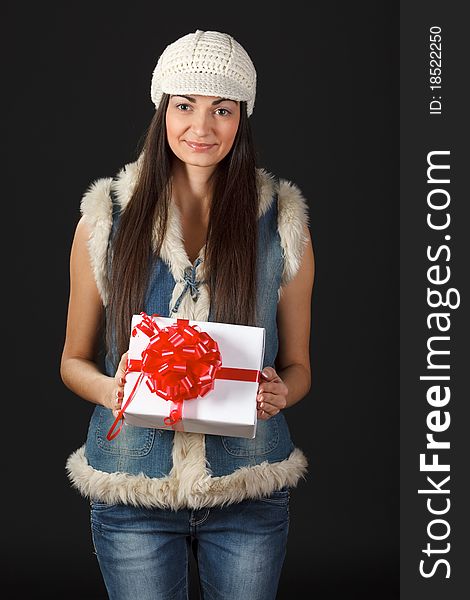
{"points": [[181, 362]]}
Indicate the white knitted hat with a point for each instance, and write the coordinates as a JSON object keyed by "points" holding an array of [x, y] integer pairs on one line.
{"points": [[208, 63]]}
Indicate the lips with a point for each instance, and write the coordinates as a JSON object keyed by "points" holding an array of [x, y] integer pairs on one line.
{"points": [[198, 146]]}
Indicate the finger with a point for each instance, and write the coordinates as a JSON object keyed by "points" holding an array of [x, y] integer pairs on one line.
{"points": [[117, 402], [121, 370], [269, 387], [276, 400], [273, 391], [263, 416], [268, 373], [270, 409], [123, 361], [117, 399], [271, 403]]}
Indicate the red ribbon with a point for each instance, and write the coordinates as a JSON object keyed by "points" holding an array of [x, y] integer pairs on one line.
{"points": [[180, 362]]}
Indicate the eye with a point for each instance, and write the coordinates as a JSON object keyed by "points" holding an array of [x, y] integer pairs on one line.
{"points": [[226, 111], [180, 107]]}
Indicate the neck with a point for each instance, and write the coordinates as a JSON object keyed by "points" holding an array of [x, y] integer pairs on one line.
{"points": [[191, 189]]}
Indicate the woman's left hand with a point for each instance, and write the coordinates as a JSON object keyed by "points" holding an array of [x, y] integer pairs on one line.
{"points": [[272, 394]]}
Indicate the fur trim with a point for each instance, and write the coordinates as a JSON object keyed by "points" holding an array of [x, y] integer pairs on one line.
{"points": [[96, 207], [127, 178], [265, 190], [188, 485], [293, 219]]}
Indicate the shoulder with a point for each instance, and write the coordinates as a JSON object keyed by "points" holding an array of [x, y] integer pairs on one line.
{"points": [[96, 203], [293, 219], [97, 215], [96, 208]]}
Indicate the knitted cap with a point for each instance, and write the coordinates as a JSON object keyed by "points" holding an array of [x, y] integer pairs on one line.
{"points": [[207, 63]]}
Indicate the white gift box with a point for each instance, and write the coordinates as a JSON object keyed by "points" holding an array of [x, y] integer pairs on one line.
{"points": [[228, 409]]}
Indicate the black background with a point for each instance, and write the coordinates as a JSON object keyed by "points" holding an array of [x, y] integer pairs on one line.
{"points": [[326, 118]]}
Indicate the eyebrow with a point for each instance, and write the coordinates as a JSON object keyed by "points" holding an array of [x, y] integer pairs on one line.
{"points": [[191, 99]]}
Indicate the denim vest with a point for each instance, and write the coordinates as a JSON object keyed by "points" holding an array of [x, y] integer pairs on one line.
{"points": [[147, 450]]}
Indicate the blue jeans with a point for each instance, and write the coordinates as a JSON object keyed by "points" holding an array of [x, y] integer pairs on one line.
{"points": [[143, 553]]}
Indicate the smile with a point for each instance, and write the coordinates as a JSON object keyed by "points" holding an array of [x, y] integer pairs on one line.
{"points": [[198, 147]]}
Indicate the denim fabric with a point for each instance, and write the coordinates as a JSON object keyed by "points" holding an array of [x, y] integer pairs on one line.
{"points": [[240, 549], [145, 450]]}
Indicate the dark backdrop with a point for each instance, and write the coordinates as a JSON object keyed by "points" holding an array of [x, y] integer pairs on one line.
{"points": [[326, 117]]}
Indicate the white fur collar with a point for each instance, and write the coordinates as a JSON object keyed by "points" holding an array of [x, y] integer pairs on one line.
{"points": [[127, 178], [293, 220]]}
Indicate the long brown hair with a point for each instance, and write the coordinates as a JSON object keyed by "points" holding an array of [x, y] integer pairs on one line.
{"points": [[231, 244]]}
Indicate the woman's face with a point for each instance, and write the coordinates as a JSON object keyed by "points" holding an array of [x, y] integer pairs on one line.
{"points": [[201, 129]]}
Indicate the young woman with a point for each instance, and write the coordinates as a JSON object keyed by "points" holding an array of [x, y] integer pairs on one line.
{"points": [[191, 229]]}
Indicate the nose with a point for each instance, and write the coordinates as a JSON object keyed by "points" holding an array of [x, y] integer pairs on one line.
{"points": [[200, 124]]}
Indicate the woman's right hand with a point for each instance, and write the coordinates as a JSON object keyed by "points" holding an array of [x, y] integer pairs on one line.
{"points": [[115, 394]]}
